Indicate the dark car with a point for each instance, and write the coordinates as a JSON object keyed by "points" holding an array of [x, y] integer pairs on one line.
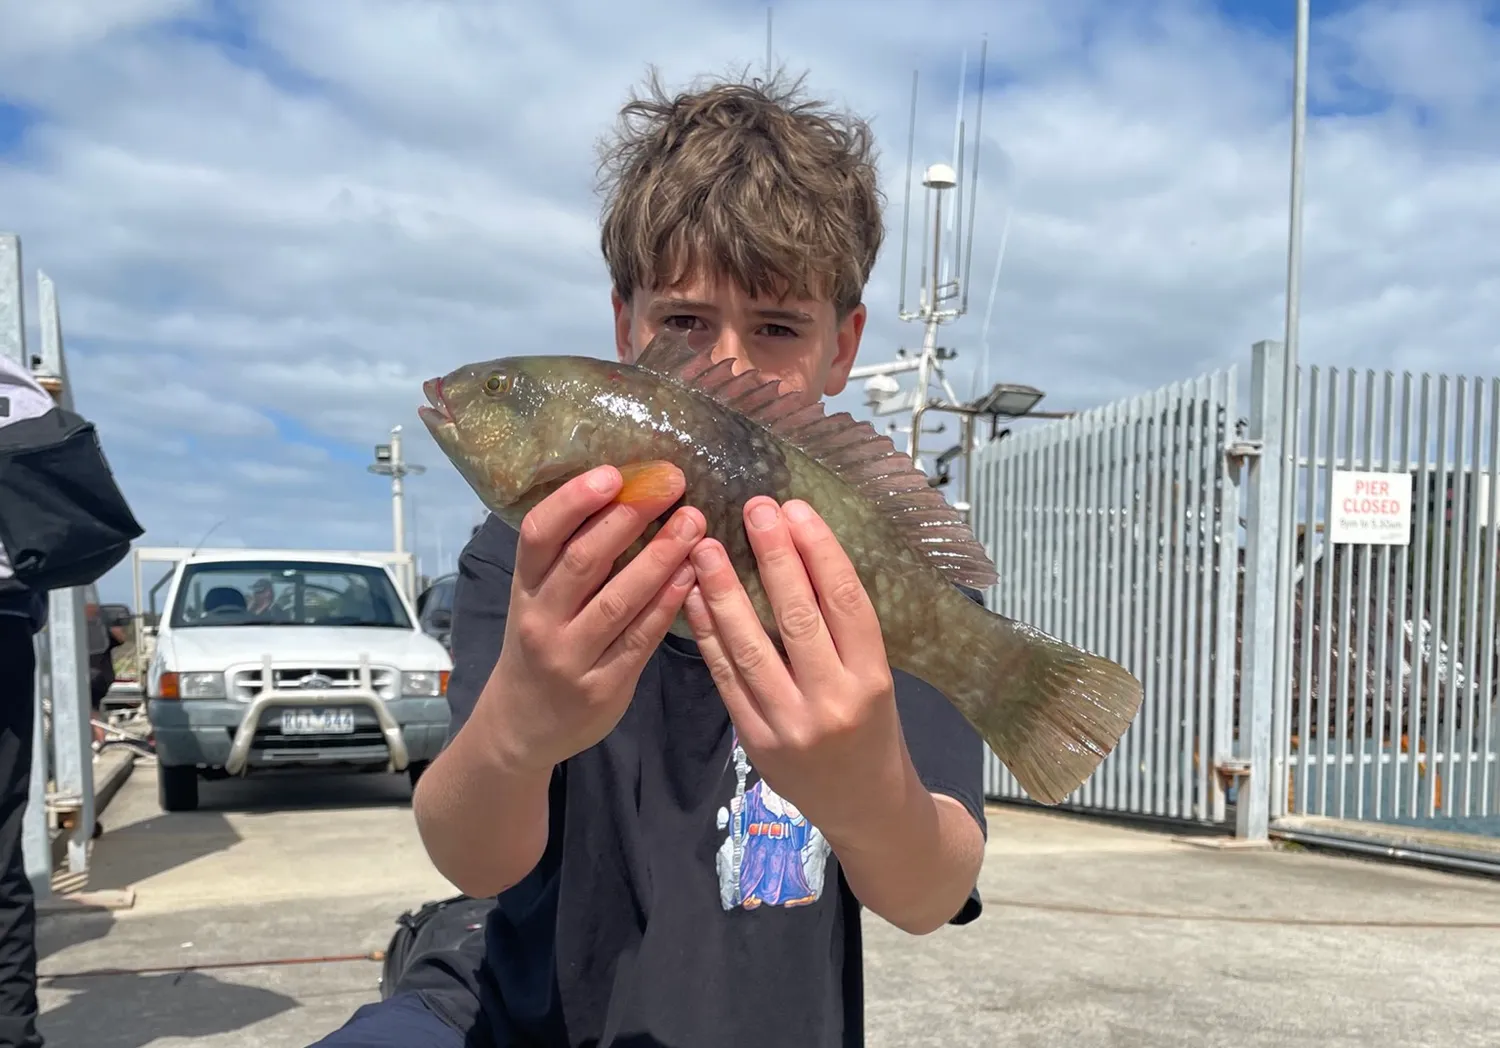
{"points": [[435, 609]]}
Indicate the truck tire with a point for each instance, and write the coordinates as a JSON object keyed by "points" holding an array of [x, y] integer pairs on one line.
{"points": [[177, 787]]}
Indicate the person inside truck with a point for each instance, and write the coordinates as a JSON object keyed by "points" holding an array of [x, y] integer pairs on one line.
{"points": [[262, 604]]}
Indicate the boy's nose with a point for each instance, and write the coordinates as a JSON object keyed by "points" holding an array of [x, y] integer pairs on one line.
{"points": [[729, 346]]}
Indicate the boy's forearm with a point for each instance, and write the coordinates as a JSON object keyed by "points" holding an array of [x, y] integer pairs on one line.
{"points": [[484, 825], [917, 863]]}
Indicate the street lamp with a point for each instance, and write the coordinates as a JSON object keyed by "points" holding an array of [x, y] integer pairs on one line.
{"points": [[1004, 400], [390, 463], [1008, 400]]}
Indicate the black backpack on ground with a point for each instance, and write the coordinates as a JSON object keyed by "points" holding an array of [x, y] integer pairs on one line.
{"points": [[438, 948]]}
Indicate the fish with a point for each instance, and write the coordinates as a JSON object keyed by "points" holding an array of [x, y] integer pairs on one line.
{"points": [[517, 428]]}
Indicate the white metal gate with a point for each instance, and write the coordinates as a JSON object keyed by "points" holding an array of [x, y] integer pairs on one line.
{"points": [[1386, 704], [1117, 531]]}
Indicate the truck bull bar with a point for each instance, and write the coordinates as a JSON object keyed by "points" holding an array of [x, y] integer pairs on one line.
{"points": [[272, 697]]}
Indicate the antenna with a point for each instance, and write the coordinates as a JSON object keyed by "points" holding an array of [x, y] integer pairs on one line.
{"points": [[768, 42], [911, 143], [968, 270], [982, 372], [955, 222], [199, 544], [938, 179], [941, 301]]}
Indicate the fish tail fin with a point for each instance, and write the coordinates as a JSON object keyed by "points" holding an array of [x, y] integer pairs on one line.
{"points": [[1049, 711]]}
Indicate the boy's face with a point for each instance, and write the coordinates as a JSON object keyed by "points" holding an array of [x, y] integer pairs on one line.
{"points": [[802, 343]]}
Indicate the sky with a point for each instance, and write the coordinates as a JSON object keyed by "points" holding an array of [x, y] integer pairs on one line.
{"points": [[269, 221]]}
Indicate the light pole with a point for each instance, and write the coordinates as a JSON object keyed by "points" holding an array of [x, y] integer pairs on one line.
{"points": [[1294, 210], [390, 463]]}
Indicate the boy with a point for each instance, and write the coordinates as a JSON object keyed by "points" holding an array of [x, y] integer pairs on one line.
{"points": [[681, 834]]}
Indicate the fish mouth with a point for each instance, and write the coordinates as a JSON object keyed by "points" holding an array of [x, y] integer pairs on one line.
{"points": [[435, 411]]}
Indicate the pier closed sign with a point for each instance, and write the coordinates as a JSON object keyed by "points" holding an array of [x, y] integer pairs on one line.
{"points": [[1370, 508]]}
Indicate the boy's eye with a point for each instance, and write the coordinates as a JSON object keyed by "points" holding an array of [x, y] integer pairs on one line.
{"points": [[780, 331], [682, 321]]}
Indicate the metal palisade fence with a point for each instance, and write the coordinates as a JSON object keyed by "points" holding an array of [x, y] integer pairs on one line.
{"points": [[1308, 593], [1106, 530], [1387, 709]]}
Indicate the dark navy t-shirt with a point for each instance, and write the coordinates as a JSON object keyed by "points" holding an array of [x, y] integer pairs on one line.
{"points": [[680, 902]]}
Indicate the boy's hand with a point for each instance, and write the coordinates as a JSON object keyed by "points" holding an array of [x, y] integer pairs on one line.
{"points": [[822, 726], [574, 651]]}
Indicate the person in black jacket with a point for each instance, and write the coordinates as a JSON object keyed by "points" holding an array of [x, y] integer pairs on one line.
{"points": [[63, 523], [22, 614]]}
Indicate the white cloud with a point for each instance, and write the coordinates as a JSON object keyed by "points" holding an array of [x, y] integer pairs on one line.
{"points": [[266, 232], [63, 26]]}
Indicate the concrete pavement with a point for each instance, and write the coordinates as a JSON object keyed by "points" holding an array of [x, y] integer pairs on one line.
{"points": [[1093, 936]]}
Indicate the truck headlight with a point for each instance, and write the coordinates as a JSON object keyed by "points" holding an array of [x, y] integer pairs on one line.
{"points": [[193, 685], [427, 684]]}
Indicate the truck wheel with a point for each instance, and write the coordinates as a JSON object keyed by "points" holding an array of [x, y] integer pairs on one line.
{"points": [[414, 770], [177, 787]]}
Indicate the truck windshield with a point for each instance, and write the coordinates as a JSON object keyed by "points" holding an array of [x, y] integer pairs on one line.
{"points": [[287, 593]]}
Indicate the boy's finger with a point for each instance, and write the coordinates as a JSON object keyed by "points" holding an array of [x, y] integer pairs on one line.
{"points": [[628, 652], [847, 609], [799, 619], [739, 700], [737, 630], [616, 605], [588, 557], [552, 522]]}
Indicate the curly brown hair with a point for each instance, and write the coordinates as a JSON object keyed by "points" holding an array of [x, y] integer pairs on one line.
{"points": [[744, 180]]}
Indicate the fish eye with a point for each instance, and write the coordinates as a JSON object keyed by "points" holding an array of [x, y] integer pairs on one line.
{"points": [[497, 383]]}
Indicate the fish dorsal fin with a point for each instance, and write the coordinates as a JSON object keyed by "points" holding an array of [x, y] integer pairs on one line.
{"points": [[668, 354], [852, 450]]}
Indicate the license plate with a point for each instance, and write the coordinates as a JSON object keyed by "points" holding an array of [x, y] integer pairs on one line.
{"points": [[317, 722]]}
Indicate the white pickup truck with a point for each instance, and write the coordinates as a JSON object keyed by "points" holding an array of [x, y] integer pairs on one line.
{"points": [[269, 659]]}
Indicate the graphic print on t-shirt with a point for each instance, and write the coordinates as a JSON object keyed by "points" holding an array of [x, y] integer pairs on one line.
{"points": [[771, 855]]}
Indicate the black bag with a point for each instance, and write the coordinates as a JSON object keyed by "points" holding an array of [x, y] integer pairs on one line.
{"points": [[447, 934], [63, 519]]}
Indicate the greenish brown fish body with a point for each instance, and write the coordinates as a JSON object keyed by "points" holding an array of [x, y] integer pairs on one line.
{"points": [[517, 428]]}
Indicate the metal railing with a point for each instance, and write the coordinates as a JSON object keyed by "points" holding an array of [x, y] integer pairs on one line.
{"points": [[62, 770]]}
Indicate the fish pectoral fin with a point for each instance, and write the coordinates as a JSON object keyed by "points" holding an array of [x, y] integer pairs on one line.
{"points": [[649, 482]]}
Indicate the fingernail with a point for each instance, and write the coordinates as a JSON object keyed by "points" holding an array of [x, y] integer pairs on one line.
{"points": [[602, 480], [763, 515], [687, 526], [797, 512], [707, 558], [683, 575]]}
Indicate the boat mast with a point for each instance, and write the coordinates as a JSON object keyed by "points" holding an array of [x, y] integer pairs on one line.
{"points": [[942, 296]]}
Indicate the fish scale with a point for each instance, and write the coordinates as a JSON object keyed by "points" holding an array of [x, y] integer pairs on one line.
{"points": [[517, 428]]}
